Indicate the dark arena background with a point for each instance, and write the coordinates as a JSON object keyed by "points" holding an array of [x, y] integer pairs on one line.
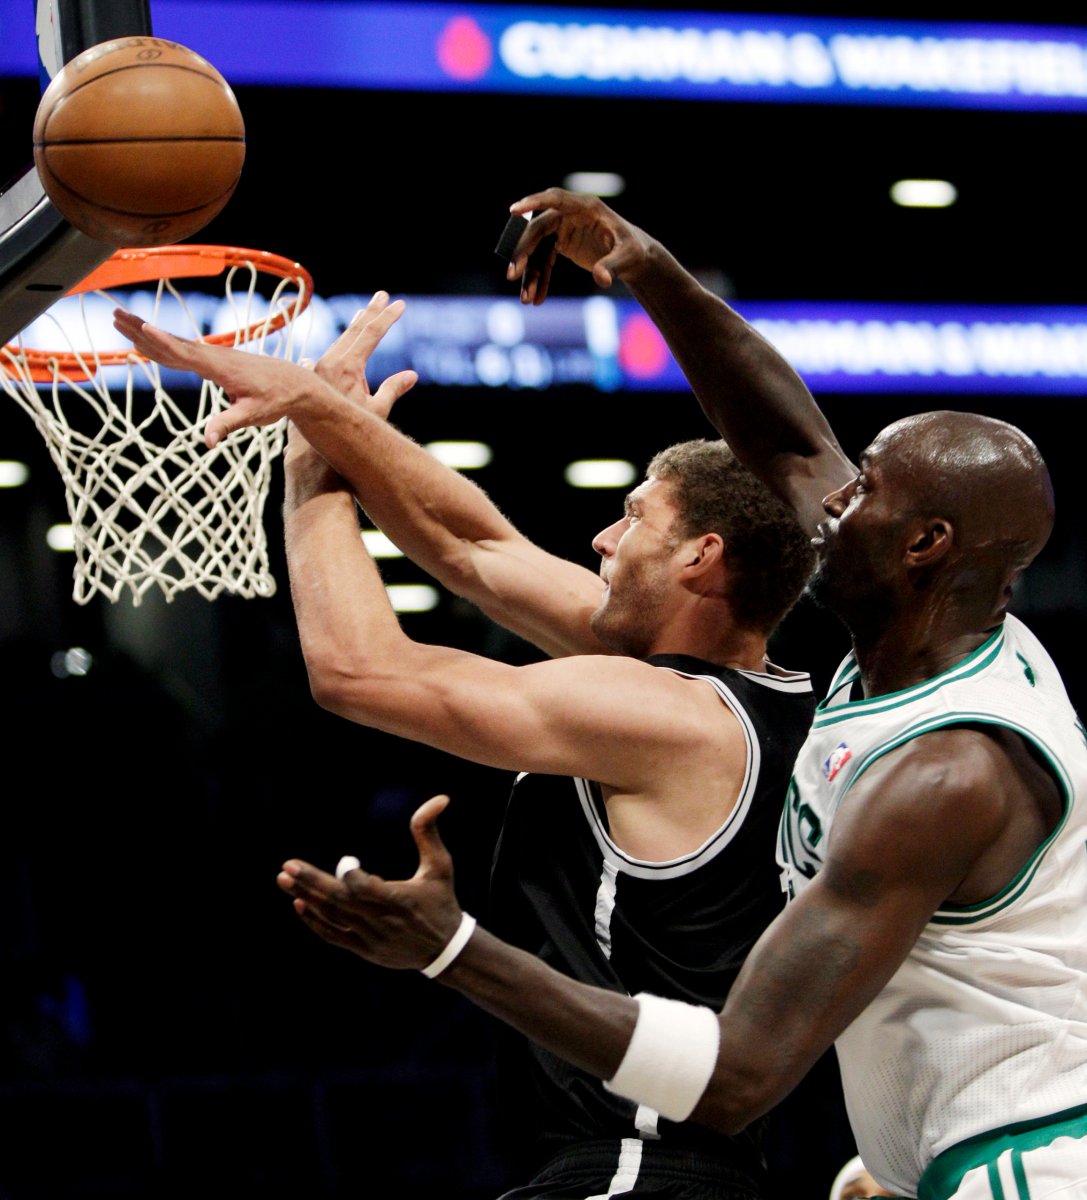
{"points": [[168, 1026]]}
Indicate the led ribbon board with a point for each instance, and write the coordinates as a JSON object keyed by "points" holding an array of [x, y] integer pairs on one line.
{"points": [[611, 345], [895, 348], [638, 53]]}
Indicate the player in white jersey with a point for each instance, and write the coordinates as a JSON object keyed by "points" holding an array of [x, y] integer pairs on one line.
{"points": [[993, 990], [935, 840]]}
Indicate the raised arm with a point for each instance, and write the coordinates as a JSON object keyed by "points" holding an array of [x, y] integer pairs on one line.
{"points": [[627, 717], [439, 518], [941, 830], [608, 718], [750, 394]]}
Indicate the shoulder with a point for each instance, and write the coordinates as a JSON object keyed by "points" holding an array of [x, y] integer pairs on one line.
{"points": [[773, 679], [927, 812], [960, 770], [662, 697]]}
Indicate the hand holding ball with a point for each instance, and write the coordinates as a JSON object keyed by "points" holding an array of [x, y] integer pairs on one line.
{"points": [[139, 142]]}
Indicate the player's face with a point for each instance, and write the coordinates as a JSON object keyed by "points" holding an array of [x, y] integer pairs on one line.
{"points": [[860, 540], [635, 563]]}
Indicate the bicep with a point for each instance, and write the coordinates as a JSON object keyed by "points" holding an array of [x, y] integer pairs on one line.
{"points": [[607, 718]]}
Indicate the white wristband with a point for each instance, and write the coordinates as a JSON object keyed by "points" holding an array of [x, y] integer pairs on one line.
{"points": [[670, 1057], [453, 947]]}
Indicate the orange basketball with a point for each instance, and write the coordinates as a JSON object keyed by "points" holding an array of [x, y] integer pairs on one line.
{"points": [[139, 142]]}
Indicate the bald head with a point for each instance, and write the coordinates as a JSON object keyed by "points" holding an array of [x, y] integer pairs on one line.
{"points": [[985, 476], [929, 538]]}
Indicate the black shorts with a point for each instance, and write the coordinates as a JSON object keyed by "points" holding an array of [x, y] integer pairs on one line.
{"points": [[634, 1167]]}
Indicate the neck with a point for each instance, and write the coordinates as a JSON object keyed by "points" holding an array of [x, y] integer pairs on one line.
{"points": [[892, 663], [905, 639], [742, 650]]}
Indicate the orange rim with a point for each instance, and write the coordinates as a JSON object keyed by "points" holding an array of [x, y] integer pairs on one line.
{"points": [[183, 261]]}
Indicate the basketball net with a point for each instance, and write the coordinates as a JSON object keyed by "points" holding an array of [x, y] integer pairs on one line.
{"points": [[150, 504]]}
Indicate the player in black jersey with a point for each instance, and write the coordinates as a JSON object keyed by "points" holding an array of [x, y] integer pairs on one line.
{"points": [[653, 748], [934, 831]]}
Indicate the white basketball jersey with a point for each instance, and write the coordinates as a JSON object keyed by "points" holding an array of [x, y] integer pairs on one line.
{"points": [[985, 1023]]}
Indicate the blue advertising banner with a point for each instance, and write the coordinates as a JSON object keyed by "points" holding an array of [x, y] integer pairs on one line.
{"points": [[639, 53], [610, 345]]}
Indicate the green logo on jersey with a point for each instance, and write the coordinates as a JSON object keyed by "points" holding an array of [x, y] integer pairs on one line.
{"points": [[801, 833], [1028, 670]]}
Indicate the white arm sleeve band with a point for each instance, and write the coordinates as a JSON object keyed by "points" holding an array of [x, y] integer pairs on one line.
{"points": [[670, 1058]]}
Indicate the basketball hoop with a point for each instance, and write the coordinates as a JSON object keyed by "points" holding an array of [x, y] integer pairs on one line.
{"points": [[150, 504]]}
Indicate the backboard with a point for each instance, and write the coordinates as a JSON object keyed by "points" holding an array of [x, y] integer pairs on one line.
{"points": [[41, 254]]}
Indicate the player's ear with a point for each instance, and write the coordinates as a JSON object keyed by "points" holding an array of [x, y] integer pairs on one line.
{"points": [[703, 553], [930, 541]]}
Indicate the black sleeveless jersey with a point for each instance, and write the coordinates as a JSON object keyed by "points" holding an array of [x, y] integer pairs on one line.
{"points": [[562, 890]]}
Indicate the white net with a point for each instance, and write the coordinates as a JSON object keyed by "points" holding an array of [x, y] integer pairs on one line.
{"points": [[150, 505]]}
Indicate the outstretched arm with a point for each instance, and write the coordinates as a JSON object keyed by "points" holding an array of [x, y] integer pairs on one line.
{"points": [[439, 518], [750, 394], [810, 975], [363, 667], [406, 924]]}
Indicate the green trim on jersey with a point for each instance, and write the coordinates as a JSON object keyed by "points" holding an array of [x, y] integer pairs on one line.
{"points": [[971, 665], [785, 836], [846, 675], [944, 1174], [968, 914]]}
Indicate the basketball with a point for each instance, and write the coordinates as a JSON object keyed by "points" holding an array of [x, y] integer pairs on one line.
{"points": [[139, 142]]}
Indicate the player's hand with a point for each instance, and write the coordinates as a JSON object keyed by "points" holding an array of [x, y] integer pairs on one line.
{"points": [[400, 924], [343, 364], [260, 390], [584, 229]]}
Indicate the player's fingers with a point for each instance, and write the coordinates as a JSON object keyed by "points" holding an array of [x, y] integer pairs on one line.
{"points": [[532, 248], [239, 415], [333, 934], [552, 197], [536, 280], [378, 326], [391, 390], [368, 326], [128, 324], [602, 276], [349, 889], [343, 346], [379, 301], [155, 343], [361, 916], [434, 859], [303, 879]]}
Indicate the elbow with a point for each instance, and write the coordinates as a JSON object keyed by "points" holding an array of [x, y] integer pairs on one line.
{"points": [[729, 1107], [327, 689], [329, 686], [340, 686], [720, 1117]]}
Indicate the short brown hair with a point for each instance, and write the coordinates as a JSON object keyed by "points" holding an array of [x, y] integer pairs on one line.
{"points": [[768, 554]]}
